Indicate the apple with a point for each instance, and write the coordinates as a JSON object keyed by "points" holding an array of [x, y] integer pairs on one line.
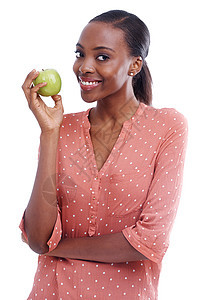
{"points": [[53, 80]]}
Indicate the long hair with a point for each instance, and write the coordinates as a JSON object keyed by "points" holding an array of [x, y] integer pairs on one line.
{"points": [[137, 37]]}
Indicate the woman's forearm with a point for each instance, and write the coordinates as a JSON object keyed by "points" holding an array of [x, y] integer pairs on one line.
{"points": [[111, 248], [41, 212]]}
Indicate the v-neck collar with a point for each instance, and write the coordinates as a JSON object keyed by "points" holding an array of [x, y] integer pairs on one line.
{"points": [[126, 128]]}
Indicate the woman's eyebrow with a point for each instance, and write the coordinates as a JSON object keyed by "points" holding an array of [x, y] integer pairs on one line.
{"points": [[102, 47], [79, 45], [96, 48]]}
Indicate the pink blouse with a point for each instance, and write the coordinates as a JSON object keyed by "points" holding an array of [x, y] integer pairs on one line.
{"points": [[136, 192]]}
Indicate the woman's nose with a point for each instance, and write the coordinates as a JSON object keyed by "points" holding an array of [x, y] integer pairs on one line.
{"points": [[86, 67]]}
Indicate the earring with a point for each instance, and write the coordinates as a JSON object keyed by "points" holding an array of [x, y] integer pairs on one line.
{"points": [[131, 73]]}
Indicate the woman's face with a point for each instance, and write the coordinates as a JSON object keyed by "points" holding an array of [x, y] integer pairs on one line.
{"points": [[102, 63]]}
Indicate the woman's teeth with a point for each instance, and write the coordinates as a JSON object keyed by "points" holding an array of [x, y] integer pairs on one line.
{"points": [[89, 82]]}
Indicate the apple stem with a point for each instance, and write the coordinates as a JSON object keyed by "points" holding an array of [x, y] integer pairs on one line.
{"points": [[42, 69]]}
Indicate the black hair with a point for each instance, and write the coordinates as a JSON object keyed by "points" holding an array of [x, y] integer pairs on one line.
{"points": [[137, 37]]}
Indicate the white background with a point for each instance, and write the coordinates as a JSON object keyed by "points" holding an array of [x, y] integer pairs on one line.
{"points": [[43, 34]]}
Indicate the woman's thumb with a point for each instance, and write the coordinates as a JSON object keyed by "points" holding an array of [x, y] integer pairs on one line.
{"points": [[58, 100]]}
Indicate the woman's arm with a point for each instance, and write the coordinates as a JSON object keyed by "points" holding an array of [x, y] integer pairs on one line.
{"points": [[41, 212], [110, 248]]}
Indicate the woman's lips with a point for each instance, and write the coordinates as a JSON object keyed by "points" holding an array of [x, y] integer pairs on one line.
{"points": [[88, 84]]}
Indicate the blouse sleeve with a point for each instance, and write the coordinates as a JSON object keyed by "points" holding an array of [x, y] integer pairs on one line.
{"points": [[56, 233], [57, 229], [150, 235]]}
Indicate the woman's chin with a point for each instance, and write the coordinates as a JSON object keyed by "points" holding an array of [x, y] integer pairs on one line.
{"points": [[88, 98]]}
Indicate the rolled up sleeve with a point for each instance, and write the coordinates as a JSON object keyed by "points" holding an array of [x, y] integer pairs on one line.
{"points": [[56, 232], [150, 235]]}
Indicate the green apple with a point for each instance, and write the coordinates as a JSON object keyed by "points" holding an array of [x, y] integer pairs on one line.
{"points": [[53, 80]]}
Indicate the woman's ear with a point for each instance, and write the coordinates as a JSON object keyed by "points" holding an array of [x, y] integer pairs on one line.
{"points": [[135, 66]]}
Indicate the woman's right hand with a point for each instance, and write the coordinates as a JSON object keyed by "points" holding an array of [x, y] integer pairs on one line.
{"points": [[48, 118]]}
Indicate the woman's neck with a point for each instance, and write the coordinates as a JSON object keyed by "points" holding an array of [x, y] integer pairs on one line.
{"points": [[113, 111]]}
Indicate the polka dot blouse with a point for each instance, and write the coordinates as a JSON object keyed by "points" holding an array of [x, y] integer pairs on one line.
{"points": [[136, 192]]}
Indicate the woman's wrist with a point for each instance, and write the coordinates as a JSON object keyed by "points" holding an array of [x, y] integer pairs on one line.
{"points": [[52, 134]]}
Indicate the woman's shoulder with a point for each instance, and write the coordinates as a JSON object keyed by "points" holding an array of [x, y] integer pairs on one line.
{"points": [[71, 119], [166, 116], [74, 115]]}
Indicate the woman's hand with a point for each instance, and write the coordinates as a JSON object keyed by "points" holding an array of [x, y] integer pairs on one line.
{"points": [[48, 118]]}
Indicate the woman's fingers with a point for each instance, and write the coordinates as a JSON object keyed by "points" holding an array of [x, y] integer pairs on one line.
{"points": [[35, 89], [58, 101], [27, 85], [29, 79], [35, 100]]}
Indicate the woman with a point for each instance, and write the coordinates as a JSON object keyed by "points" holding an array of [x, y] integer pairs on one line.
{"points": [[109, 179]]}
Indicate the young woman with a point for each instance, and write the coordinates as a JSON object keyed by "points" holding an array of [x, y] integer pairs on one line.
{"points": [[109, 179]]}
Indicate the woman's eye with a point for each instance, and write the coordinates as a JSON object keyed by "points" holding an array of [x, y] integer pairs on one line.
{"points": [[78, 54], [103, 57]]}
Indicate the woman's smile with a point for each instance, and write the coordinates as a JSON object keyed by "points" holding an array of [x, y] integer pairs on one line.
{"points": [[88, 84]]}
